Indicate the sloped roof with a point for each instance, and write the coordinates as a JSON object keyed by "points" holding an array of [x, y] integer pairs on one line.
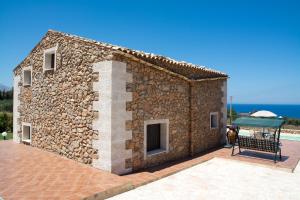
{"points": [[188, 70]]}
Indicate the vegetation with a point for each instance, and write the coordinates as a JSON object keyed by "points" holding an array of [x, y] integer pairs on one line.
{"points": [[8, 137], [6, 94], [234, 114], [6, 109], [294, 122], [6, 101], [6, 105], [290, 123], [6, 122]]}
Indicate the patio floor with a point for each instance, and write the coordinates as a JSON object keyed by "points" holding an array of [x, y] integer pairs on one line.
{"points": [[31, 173], [290, 158], [221, 178]]}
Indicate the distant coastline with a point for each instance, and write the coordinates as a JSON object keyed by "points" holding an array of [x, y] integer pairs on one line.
{"points": [[284, 110]]}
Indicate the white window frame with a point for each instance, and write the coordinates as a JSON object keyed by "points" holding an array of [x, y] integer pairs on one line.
{"points": [[29, 68], [30, 133], [50, 51], [164, 126], [211, 114]]}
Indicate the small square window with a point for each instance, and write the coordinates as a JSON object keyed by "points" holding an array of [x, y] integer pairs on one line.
{"points": [[50, 59], [26, 132], [213, 120], [27, 76]]}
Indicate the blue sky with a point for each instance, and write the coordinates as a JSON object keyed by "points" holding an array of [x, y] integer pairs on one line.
{"points": [[256, 42]]}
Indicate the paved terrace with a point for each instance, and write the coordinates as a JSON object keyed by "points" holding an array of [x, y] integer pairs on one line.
{"points": [[224, 179], [290, 158], [31, 173]]}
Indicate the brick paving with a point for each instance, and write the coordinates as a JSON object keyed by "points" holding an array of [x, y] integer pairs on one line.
{"points": [[31, 173]]}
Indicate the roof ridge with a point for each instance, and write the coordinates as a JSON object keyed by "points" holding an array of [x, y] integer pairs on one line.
{"points": [[141, 53]]}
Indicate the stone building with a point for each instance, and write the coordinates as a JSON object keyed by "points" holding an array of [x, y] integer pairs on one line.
{"points": [[114, 108]]}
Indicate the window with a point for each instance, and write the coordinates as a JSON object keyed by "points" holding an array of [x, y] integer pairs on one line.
{"points": [[27, 76], [26, 132], [153, 137], [213, 120], [50, 59], [156, 138]]}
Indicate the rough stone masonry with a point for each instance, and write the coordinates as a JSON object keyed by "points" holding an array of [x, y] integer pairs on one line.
{"points": [[95, 103]]}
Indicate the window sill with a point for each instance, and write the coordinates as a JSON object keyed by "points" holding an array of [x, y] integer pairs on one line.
{"points": [[49, 69], [213, 128], [156, 152], [26, 141], [27, 85]]}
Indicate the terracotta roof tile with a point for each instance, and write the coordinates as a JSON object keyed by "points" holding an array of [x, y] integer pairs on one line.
{"points": [[188, 70]]}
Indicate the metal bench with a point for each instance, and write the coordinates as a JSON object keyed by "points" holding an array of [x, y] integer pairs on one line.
{"points": [[265, 145], [259, 144]]}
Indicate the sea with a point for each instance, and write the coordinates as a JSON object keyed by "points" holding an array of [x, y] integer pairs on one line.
{"points": [[284, 110]]}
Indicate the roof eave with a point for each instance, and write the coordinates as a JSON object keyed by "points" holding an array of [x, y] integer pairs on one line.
{"points": [[130, 56]]}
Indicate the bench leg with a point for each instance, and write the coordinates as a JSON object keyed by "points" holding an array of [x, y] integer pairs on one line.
{"points": [[239, 145], [275, 157], [280, 154], [232, 149]]}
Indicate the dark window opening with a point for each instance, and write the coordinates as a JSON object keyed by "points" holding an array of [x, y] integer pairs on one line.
{"points": [[213, 121], [52, 60], [153, 137]]}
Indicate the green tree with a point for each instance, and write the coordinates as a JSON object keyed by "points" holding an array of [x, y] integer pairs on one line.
{"points": [[6, 122], [234, 114]]}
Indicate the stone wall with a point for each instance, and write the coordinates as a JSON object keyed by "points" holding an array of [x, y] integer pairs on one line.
{"points": [[59, 103], [157, 95], [207, 97]]}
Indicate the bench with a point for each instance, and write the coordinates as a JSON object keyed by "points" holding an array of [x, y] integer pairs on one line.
{"points": [[271, 144], [251, 143]]}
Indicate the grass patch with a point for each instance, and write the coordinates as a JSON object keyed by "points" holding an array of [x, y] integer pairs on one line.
{"points": [[8, 137]]}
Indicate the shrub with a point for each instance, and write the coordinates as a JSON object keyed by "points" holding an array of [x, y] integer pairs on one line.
{"points": [[6, 101], [234, 114], [295, 122], [6, 105], [6, 122]]}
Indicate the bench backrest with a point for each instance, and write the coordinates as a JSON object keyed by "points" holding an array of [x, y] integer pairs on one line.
{"points": [[266, 145]]}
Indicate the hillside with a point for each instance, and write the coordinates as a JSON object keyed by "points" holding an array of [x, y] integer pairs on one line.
{"points": [[4, 87]]}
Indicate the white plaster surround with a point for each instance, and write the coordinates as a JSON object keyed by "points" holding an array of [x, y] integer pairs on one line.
{"points": [[224, 111], [50, 51], [30, 133], [216, 114], [29, 68], [164, 137], [16, 113], [112, 113]]}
